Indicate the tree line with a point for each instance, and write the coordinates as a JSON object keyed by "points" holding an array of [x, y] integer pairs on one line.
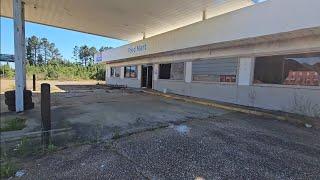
{"points": [[84, 54], [44, 59], [40, 51]]}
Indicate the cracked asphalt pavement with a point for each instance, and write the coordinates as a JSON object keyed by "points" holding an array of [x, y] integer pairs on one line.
{"points": [[229, 146]]}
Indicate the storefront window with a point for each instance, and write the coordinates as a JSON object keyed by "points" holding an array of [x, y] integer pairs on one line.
{"points": [[130, 71], [164, 71], [112, 72], [215, 70], [173, 71], [117, 71], [177, 71], [300, 69]]}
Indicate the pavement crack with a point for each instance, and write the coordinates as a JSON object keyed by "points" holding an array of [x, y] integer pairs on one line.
{"points": [[159, 126], [142, 130]]}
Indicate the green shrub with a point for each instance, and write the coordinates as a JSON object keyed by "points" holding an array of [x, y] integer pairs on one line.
{"points": [[23, 147], [51, 73], [6, 71], [66, 71]]}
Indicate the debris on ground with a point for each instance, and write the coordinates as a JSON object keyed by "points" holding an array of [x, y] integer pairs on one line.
{"points": [[20, 173], [181, 129], [308, 125]]}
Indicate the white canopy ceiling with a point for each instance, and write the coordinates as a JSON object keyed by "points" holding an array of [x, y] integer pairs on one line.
{"points": [[122, 19]]}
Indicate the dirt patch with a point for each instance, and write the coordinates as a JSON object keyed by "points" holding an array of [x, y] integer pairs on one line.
{"points": [[8, 84]]}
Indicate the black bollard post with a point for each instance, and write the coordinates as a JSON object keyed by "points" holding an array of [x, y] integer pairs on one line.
{"points": [[45, 113], [34, 82]]}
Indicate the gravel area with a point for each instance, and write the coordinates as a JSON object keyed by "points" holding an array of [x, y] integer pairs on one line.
{"points": [[230, 146], [83, 162]]}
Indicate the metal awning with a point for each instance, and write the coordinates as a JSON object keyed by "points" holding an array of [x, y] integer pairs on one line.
{"points": [[293, 17], [122, 19]]}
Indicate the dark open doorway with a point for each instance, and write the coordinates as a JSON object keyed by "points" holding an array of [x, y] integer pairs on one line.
{"points": [[146, 76]]}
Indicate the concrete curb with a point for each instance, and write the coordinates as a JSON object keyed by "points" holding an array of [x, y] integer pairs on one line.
{"points": [[33, 134], [226, 107]]}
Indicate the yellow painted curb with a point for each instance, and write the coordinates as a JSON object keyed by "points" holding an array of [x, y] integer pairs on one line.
{"points": [[220, 106]]}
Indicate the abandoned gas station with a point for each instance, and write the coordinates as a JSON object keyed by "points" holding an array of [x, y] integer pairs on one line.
{"points": [[265, 55], [194, 67], [249, 56]]}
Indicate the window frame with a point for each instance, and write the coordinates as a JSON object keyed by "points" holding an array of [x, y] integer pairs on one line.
{"points": [[216, 82], [115, 72], [280, 85], [159, 74], [112, 71], [169, 79], [130, 72]]}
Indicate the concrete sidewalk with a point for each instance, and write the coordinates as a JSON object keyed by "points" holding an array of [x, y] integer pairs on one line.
{"points": [[98, 113]]}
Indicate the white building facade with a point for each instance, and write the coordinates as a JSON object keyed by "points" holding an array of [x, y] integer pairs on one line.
{"points": [[265, 56]]}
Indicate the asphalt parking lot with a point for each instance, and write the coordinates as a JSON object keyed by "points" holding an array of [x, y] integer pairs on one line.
{"points": [[171, 139], [96, 112], [227, 146]]}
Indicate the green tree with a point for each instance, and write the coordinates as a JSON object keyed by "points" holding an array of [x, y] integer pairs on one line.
{"points": [[40, 48], [6, 71], [75, 53], [44, 44], [42, 52], [92, 52], [54, 52], [40, 59], [32, 49], [84, 54], [29, 56]]}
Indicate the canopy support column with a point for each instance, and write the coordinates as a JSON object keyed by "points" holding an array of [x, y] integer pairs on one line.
{"points": [[19, 52]]}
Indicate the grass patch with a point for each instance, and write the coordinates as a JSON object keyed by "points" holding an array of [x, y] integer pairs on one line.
{"points": [[52, 148], [13, 124], [8, 169], [23, 147], [116, 134]]}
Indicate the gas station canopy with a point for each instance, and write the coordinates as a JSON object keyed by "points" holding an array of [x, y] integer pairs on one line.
{"points": [[129, 20]]}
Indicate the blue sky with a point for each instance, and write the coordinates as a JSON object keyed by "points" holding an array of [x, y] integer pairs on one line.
{"points": [[258, 1], [65, 40]]}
